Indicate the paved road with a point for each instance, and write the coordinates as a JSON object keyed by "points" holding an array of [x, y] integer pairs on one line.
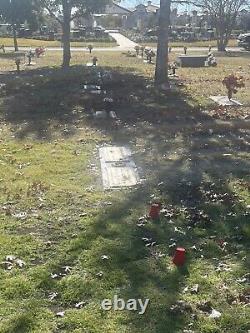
{"points": [[122, 41]]}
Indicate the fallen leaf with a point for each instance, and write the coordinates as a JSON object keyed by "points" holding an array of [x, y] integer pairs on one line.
{"points": [[80, 305], [99, 274], [105, 257], [54, 276], [20, 263], [215, 314], [52, 296], [7, 265], [10, 258], [67, 269], [195, 289]]}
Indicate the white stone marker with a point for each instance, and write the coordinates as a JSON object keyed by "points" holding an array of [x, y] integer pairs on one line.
{"points": [[118, 168], [224, 101]]}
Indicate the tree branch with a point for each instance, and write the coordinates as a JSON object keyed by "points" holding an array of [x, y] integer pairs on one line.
{"points": [[52, 14], [77, 15], [187, 2]]}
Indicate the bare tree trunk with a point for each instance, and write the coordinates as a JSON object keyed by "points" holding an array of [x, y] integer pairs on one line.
{"points": [[221, 43], [15, 38], [66, 34], [161, 70]]}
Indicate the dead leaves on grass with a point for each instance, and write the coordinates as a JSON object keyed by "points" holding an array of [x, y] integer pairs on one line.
{"points": [[12, 262], [64, 271]]}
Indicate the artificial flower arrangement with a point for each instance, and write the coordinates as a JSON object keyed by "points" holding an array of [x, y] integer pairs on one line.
{"points": [[232, 83]]}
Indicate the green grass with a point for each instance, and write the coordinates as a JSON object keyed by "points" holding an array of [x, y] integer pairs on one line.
{"points": [[51, 173], [27, 42]]}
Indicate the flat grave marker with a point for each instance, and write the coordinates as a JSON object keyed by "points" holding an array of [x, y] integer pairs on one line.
{"points": [[31, 64], [112, 115], [224, 101], [105, 115], [93, 89], [118, 168], [101, 114]]}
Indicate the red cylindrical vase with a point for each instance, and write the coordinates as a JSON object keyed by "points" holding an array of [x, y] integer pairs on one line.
{"points": [[179, 258], [154, 212]]}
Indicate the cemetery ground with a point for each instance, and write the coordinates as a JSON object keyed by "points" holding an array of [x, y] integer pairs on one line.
{"points": [[65, 244], [29, 42]]}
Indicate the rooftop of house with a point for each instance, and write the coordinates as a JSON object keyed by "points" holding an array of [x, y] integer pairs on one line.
{"points": [[115, 8], [152, 8], [149, 7]]}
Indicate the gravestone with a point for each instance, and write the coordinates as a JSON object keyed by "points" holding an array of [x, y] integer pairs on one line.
{"points": [[112, 115], [105, 115], [118, 168], [101, 114], [93, 89], [224, 101], [32, 63], [148, 62], [192, 60]]}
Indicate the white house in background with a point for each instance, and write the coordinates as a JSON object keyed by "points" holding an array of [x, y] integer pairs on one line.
{"points": [[115, 9], [137, 17], [118, 12], [142, 15], [152, 8]]}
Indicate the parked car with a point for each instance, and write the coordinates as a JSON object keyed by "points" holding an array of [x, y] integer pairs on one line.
{"points": [[24, 33], [244, 41]]}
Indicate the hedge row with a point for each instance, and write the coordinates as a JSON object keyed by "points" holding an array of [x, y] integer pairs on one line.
{"points": [[107, 39]]}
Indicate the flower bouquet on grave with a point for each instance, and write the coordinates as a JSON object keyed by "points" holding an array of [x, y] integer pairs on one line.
{"points": [[149, 54], [39, 51], [94, 61], [232, 83], [18, 64], [137, 50]]}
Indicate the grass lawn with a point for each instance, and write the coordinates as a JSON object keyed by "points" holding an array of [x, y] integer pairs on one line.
{"points": [[56, 218], [213, 43], [26, 42]]}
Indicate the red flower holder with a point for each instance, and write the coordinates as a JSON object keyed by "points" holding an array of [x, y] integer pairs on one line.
{"points": [[179, 258], [154, 212]]}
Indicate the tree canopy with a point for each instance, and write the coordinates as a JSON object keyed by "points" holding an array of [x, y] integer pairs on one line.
{"points": [[65, 11], [77, 8], [17, 12], [223, 14]]}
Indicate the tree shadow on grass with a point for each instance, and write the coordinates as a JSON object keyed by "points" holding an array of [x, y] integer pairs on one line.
{"points": [[209, 156], [36, 99]]}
